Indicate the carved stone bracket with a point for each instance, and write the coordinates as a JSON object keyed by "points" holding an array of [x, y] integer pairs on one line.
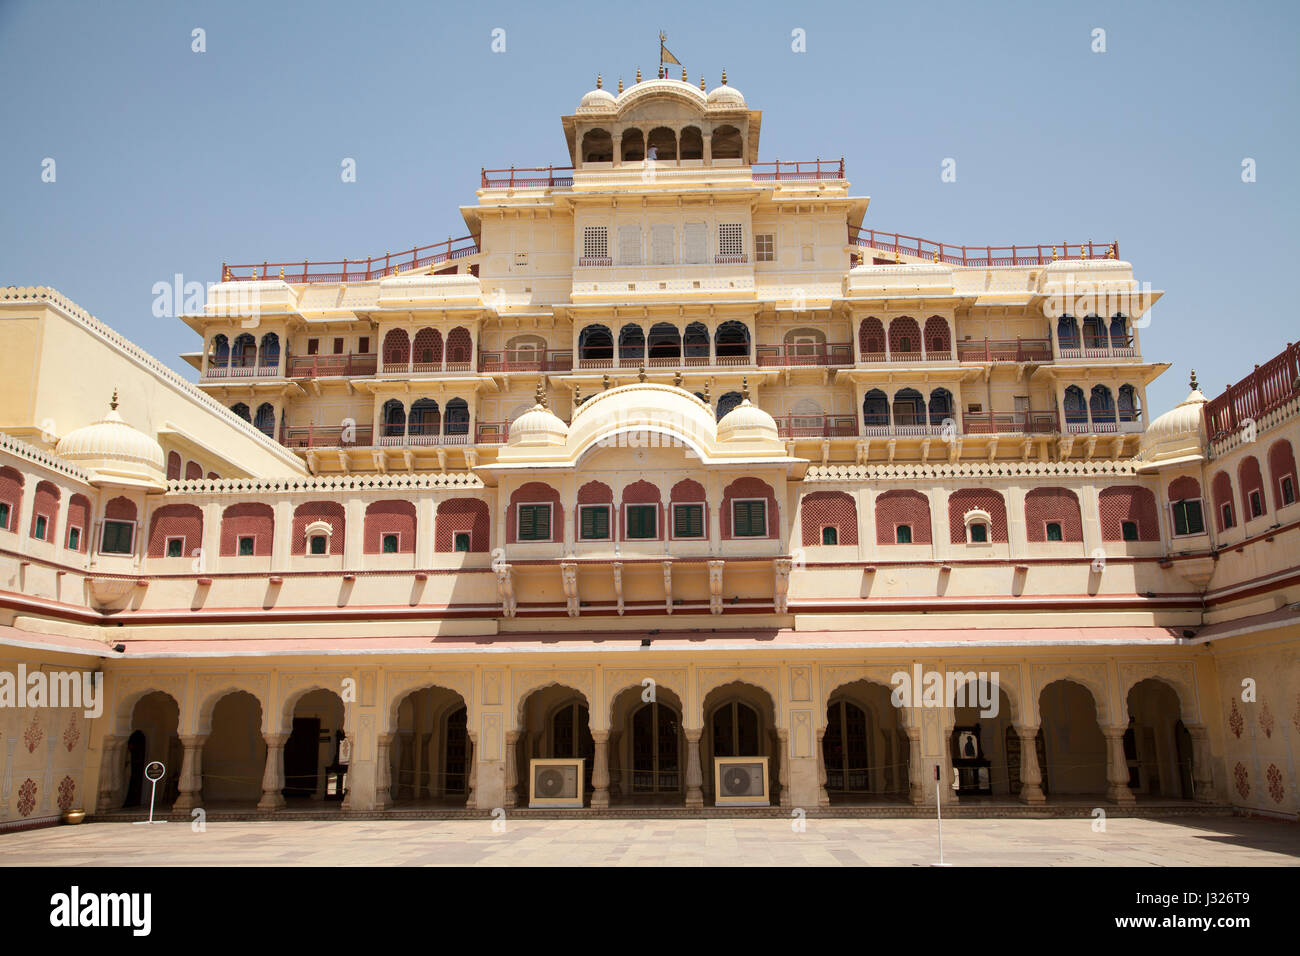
{"points": [[781, 584], [715, 586], [569, 576], [668, 587], [618, 584], [506, 588]]}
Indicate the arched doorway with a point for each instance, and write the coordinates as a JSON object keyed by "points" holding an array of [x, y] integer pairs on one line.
{"points": [[647, 748], [155, 719], [555, 723], [234, 753], [740, 721], [978, 745], [865, 748], [430, 753], [313, 744], [1157, 746], [1074, 749]]}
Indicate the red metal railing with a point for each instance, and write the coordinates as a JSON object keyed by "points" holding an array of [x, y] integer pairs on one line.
{"points": [[837, 353], [1035, 255], [240, 371], [1005, 350], [817, 426], [325, 436], [527, 177], [324, 366], [492, 433], [815, 170], [354, 270], [1269, 386], [526, 360], [1012, 423]]}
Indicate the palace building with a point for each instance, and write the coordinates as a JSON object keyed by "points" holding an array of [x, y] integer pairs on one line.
{"points": [[643, 494]]}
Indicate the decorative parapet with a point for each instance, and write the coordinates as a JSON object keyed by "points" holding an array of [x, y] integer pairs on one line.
{"points": [[324, 483], [143, 358], [38, 456], [975, 469], [1230, 441]]}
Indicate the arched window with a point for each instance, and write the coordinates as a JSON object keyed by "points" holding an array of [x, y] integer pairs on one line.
{"points": [[726, 143], [909, 408], [174, 466], [938, 341], [966, 506], [695, 342], [727, 402], [732, 340], [902, 517], [597, 146], [425, 418], [457, 417], [663, 143], [871, 339], [397, 349], [245, 352], [665, 342], [940, 406], [1067, 332], [1094, 332], [265, 420], [219, 353], [1253, 504], [1282, 472], [692, 143], [1224, 513], [1128, 513], [736, 731], [460, 350], [1101, 405], [633, 146], [1129, 410], [270, 353], [428, 350], [595, 344], [904, 337], [631, 343], [240, 409], [394, 418], [1076, 411], [875, 409], [1119, 333]]}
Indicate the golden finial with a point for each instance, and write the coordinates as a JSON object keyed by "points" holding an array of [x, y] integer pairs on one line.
{"points": [[707, 400], [1053, 253], [744, 388], [599, 82], [701, 82], [724, 77], [677, 379], [541, 394], [1111, 253], [1083, 250], [225, 272], [604, 381], [898, 256], [662, 74], [281, 273], [936, 255], [113, 403], [620, 84], [640, 373], [638, 74], [684, 80], [1194, 385], [577, 395]]}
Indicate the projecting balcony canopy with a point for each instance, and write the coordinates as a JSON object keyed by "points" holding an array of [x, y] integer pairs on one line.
{"points": [[661, 415]]}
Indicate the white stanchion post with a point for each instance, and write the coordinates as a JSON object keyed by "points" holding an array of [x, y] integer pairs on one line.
{"points": [[153, 776]]}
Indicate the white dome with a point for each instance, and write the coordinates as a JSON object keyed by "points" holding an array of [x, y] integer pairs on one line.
{"points": [[725, 96], [747, 422], [598, 99], [1178, 434], [114, 450], [537, 426]]}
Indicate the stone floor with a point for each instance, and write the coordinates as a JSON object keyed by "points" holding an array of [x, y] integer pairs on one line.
{"points": [[1217, 841]]}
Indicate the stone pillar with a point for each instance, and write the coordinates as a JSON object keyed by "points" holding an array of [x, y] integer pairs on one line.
{"points": [[823, 798], [1031, 775], [383, 772], [110, 771], [511, 796], [471, 782], [600, 770], [190, 787], [1117, 766], [694, 795], [273, 777], [783, 768], [1202, 777], [915, 771]]}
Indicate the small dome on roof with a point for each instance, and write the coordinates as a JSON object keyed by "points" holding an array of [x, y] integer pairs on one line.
{"points": [[725, 96], [598, 99], [747, 422], [537, 426], [115, 450], [1179, 434]]}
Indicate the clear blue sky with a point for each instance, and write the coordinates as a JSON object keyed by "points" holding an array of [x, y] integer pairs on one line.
{"points": [[170, 161]]}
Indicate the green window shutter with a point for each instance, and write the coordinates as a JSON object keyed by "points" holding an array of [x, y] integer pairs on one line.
{"points": [[688, 521], [594, 523], [535, 523], [641, 521], [748, 519]]}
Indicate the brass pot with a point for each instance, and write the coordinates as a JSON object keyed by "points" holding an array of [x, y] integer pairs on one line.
{"points": [[73, 816]]}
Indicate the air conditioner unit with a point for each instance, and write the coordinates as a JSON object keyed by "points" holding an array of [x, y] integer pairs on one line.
{"points": [[555, 782], [740, 782]]}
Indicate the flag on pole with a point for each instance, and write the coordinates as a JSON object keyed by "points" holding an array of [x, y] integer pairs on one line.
{"points": [[664, 55]]}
